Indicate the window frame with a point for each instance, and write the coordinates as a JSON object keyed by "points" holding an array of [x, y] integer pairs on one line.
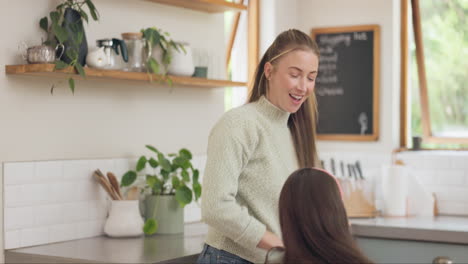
{"points": [[423, 90]]}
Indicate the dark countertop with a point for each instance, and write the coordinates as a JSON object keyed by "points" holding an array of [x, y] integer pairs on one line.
{"points": [[185, 247]]}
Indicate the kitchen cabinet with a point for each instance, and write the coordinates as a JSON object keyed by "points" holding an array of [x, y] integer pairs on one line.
{"points": [[209, 6], [408, 251]]}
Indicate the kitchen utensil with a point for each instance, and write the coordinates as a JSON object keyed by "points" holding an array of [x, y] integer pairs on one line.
{"points": [[359, 170], [332, 162], [114, 184], [105, 184], [133, 193], [137, 53], [107, 56], [342, 169]]}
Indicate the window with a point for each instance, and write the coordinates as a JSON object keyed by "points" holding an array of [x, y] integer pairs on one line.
{"points": [[435, 72]]}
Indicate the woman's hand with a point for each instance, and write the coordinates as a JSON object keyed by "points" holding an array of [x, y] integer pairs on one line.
{"points": [[270, 240]]}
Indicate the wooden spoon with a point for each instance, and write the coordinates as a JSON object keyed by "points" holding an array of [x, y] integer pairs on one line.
{"points": [[114, 184], [133, 193], [105, 184]]}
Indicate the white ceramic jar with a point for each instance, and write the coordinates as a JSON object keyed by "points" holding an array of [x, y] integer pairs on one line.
{"points": [[182, 62], [124, 219]]}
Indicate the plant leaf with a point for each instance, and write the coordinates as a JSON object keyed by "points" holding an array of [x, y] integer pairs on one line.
{"points": [[183, 195], [54, 16], [153, 163], [44, 24], [84, 16], [128, 178], [141, 163], [151, 180], [185, 176], [92, 10], [175, 182], [165, 174], [154, 65], [195, 175], [59, 65], [165, 164], [185, 153], [150, 227], [197, 189], [80, 70], [60, 33], [152, 149], [71, 83]]}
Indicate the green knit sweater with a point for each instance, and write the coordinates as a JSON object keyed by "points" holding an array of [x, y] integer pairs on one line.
{"points": [[250, 155]]}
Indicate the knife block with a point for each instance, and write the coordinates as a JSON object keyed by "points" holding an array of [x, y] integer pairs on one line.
{"points": [[358, 198]]}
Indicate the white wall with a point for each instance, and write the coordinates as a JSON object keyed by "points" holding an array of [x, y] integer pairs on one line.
{"points": [[103, 119], [330, 13]]}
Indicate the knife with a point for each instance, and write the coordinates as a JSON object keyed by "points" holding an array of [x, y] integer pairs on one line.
{"points": [[332, 162], [358, 168]]}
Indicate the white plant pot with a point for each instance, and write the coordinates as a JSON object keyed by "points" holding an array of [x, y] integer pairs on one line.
{"points": [[124, 219], [182, 62]]}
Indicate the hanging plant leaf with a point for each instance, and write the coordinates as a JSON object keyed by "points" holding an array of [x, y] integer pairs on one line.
{"points": [[153, 163], [195, 176], [128, 178], [185, 153], [71, 83], [44, 24], [150, 227], [183, 195], [59, 65], [185, 176], [80, 69]]}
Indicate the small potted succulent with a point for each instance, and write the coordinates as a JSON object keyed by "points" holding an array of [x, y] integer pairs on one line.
{"points": [[172, 183]]}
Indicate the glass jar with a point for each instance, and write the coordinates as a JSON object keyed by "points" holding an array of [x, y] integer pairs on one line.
{"points": [[136, 51]]}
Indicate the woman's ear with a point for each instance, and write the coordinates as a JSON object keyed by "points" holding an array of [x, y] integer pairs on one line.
{"points": [[267, 70]]}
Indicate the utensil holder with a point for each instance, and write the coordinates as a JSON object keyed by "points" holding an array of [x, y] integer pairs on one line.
{"points": [[124, 219]]}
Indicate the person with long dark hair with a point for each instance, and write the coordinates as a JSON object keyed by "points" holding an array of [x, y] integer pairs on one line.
{"points": [[253, 148], [314, 222]]}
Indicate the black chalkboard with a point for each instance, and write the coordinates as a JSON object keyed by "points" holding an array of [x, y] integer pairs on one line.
{"points": [[347, 82]]}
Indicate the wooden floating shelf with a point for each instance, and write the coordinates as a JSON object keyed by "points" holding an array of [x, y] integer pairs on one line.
{"points": [[47, 70], [209, 6]]}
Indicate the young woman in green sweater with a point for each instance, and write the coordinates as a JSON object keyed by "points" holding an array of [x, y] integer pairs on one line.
{"points": [[252, 150]]}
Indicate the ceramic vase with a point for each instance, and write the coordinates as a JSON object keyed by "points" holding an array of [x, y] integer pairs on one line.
{"points": [[124, 219], [182, 62]]}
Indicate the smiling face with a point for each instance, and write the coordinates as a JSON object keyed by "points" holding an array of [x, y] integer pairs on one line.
{"points": [[291, 79]]}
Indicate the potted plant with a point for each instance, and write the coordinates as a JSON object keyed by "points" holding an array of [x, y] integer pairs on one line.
{"points": [[172, 185], [66, 28], [159, 52]]}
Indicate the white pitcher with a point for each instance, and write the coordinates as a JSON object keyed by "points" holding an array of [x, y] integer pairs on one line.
{"points": [[124, 219]]}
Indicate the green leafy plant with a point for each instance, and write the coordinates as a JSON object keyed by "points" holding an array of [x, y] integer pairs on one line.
{"points": [[58, 34], [156, 37], [173, 175]]}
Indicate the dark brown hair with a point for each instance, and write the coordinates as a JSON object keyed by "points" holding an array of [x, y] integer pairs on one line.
{"points": [[302, 123], [314, 221]]}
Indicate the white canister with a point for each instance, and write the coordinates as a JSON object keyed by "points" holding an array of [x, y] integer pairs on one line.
{"points": [[395, 190], [182, 62], [124, 219]]}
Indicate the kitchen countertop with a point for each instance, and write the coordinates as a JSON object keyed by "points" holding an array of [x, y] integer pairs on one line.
{"points": [[446, 229], [162, 248]]}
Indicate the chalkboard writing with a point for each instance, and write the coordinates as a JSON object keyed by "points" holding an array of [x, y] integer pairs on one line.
{"points": [[347, 82]]}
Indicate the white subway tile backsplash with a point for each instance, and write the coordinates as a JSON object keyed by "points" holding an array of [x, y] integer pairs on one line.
{"points": [[90, 228], [98, 209], [104, 165], [77, 170], [450, 176], [48, 171], [62, 232], [75, 212], [12, 239], [48, 215], [36, 194], [34, 236], [121, 166], [452, 208], [17, 218], [14, 196], [17, 173]]}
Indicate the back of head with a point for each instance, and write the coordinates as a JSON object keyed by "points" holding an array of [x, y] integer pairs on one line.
{"points": [[314, 221]]}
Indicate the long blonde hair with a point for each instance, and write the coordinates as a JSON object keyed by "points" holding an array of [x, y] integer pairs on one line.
{"points": [[302, 124]]}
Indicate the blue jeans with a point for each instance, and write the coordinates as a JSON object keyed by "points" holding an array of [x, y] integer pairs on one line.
{"points": [[211, 255]]}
